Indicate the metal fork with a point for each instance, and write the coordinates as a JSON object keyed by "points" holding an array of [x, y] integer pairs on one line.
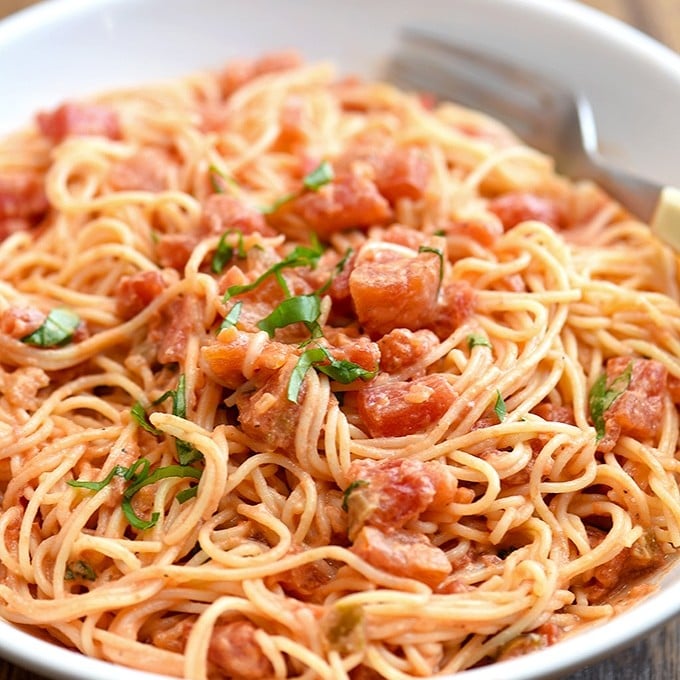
{"points": [[542, 113]]}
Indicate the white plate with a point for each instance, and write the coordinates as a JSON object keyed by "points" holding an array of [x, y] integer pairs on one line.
{"points": [[67, 48]]}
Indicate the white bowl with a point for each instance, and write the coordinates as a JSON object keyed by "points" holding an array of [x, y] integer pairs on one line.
{"points": [[66, 48]]}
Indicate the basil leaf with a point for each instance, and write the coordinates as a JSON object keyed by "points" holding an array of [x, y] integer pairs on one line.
{"points": [[161, 473], [476, 340], [500, 407], [300, 256], [184, 495], [231, 319], [139, 415], [144, 479], [314, 180], [57, 329], [225, 251], [79, 570], [338, 269], [601, 397], [344, 371], [304, 363], [301, 308], [223, 254], [340, 370], [269, 209], [215, 176], [320, 176], [440, 255], [117, 471], [352, 487]]}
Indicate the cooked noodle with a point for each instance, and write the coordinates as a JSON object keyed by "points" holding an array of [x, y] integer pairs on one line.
{"points": [[486, 464]]}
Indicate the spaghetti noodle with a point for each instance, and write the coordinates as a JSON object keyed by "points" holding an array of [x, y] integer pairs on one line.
{"points": [[312, 377]]}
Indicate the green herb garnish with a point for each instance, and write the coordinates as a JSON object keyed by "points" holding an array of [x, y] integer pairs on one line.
{"points": [[301, 308], [186, 453], [601, 397], [352, 487], [139, 476], [477, 340], [341, 371], [225, 251], [312, 181], [79, 570], [231, 319], [301, 256], [57, 329], [440, 255], [321, 175], [499, 407]]}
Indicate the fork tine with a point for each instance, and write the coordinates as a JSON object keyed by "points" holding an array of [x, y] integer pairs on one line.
{"points": [[418, 72], [532, 108], [539, 86]]}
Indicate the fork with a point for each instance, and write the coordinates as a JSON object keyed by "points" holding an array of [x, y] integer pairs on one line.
{"points": [[543, 113]]}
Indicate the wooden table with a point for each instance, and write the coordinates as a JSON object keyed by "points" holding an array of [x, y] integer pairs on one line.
{"points": [[658, 656]]}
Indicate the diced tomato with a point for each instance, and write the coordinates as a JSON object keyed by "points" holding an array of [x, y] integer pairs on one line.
{"points": [[268, 415], [222, 212], [398, 172], [225, 357], [22, 195], [398, 408], [239, 72], [457, 304], [401, 293], [638, 411], [402, 348], [519, 206], [390, 493], [18, 322], [134, 293], [555, 413], [171, 329], [403, 553], [235, 652], [145, 171], [174, 250], [80, 119], [350, 201]]}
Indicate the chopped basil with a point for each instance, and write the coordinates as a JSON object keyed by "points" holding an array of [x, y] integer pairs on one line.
{"points": [[339, 268], [225, 251], [215, 176], [321, 175], [140, 416], [313, 181], [601, 397], [186, 453], [352, 487], [138, 476], [476, 340], [56, 330], [342, 371], [500, 407], [300, 256], [79, 570], [440, 255], [230, 320], [117, 471], [184, 495], [269, 209], [301, 308]]}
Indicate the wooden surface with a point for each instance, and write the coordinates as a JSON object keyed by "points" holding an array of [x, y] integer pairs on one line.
{"points": [[658, 656]]}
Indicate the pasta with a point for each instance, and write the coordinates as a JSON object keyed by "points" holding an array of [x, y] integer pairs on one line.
{"points": [[303, 376]]}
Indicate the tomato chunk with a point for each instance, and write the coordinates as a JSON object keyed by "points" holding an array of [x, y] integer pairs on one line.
{"points": [[399, 408]]}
